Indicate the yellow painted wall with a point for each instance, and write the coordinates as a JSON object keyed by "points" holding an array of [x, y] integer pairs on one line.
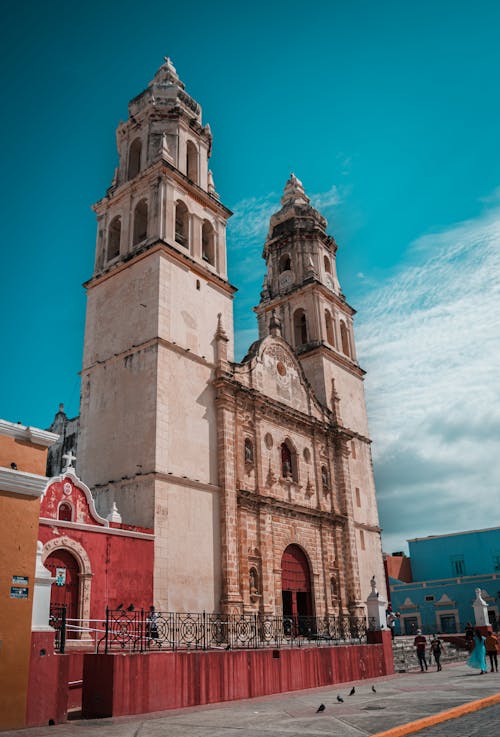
{"points": [[18, 533], [28, 457]]}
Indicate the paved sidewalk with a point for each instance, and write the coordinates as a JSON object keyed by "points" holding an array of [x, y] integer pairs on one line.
{"points": [[398, 700]]}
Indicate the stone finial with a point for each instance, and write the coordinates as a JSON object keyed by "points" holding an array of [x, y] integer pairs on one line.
{"points": [[169, 70], [275, 325], [221, 341], [211, 185], [165, 149], [294, 193], [311, 269], [220, 333], [69, 458], [114, 515]]}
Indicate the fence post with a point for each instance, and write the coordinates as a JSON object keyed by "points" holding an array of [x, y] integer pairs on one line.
{"points": [[62, 642], [204, 630], [106, 632]]}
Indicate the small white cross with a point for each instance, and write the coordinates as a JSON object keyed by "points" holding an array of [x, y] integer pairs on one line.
{"points": [[69, 458]]}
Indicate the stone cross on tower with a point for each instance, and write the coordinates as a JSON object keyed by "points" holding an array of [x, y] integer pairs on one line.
{"points": [[69, 458]]}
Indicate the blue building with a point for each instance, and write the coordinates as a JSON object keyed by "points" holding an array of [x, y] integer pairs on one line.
{"points": [[446, 571]]}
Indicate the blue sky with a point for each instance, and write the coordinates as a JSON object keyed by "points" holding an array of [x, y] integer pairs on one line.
{"points": [[388, 112]]}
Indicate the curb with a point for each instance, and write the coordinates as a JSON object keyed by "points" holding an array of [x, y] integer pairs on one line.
{"points": [[441, 716]]}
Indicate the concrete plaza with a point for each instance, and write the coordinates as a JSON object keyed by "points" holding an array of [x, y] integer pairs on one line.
{"points": [[399, 700]]}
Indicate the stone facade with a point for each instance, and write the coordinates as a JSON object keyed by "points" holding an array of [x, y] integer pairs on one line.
{"points": [[254, 473]]}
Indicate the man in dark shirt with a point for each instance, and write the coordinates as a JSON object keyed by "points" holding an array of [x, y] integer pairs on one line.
{"points": [[420, 642]]}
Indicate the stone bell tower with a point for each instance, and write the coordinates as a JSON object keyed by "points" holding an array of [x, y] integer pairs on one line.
{"points": [[148, 432], [302, 289]]}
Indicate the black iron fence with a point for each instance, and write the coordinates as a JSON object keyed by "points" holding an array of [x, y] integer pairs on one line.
{"points": [[142, 631], [57, 620]]}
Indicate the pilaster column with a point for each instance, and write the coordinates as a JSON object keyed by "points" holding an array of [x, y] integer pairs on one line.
{"points": [[231, 601], [267, 561], [195, 239], [349, 538]]}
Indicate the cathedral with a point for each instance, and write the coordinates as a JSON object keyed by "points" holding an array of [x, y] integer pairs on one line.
{"points": [[256, 477]]}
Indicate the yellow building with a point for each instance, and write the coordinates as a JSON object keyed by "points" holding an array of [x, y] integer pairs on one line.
{"points": [[23, 456]]}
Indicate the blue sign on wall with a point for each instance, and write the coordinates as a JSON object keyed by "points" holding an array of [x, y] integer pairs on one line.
{"points": [[18, 592]]}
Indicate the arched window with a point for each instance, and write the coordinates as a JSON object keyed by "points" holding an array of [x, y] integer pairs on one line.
{"points": [[140, 222], [208, 242], [182, 224], [300, 327], [329, 328], [192, 162], [65, 512], [288, 461], [114, 237], [328, 268], [248, 451], [134, 158], [344, 337], [284, 264]]}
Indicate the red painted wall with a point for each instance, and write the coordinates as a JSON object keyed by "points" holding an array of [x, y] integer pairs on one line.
{"points": [[122, 567], [48, 678], [116, 685]]}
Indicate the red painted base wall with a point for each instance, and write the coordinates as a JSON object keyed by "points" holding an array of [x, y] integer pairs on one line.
{"points": [[48, 678], [116, 685]]}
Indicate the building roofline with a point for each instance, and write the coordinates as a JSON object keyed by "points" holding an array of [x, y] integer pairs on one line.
{"points": [[26, 432], [451, 534]]}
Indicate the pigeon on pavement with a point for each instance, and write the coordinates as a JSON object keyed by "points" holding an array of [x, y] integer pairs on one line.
{"points": [[321, 707], [340, 699], [374, 689], [352, 691]]}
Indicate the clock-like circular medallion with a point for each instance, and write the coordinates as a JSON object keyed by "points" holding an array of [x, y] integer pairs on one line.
{"points": [[286, 279]]}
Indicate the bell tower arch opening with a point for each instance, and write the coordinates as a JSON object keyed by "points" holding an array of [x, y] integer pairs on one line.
{"points": [[134, 159]]}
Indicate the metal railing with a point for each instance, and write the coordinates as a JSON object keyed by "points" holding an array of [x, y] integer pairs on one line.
{"points": [[140, 631]]}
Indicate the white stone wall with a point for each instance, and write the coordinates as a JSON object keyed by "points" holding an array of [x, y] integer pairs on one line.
{"points": [[187, 548]]}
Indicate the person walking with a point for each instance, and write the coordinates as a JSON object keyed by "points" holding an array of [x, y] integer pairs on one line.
{"points": [[436, 650], [491, 645], [469, 636], [420, 642], [152, 627], [477, 658]]}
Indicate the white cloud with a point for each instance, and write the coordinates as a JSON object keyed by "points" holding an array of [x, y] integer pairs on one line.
{"points": [[429, 338], [250, 222]]}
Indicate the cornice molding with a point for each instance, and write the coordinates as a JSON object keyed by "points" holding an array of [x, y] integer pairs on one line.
{"points": [[156, 341], [91, 528], [26, 432], [20, 482], [156, 245], [250, 499]]}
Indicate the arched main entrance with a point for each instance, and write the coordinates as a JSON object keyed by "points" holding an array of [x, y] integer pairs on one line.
{"points": [[64, 566], [296, 587]]}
